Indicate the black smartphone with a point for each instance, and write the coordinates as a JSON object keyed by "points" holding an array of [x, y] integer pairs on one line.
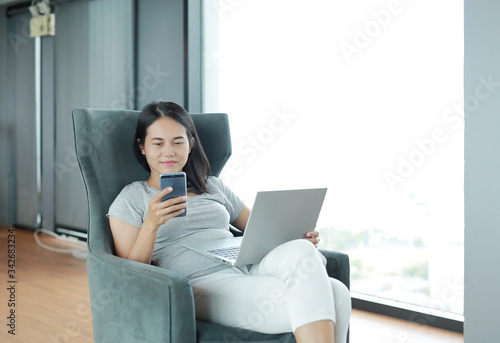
{"points": [[178, 183]]}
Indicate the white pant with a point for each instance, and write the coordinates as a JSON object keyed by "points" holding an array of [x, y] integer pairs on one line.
{"points": [[287, 289]]}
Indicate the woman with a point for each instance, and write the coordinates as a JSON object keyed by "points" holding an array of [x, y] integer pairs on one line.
{"points": [[288, 290]]}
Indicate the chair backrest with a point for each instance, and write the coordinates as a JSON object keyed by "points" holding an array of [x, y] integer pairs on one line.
{"points": [[103, 143]]}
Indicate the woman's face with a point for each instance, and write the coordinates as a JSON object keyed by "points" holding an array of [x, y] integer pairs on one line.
{"points": [[166, 147]]}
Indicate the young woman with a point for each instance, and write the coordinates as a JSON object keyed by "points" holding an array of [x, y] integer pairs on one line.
{"points": [[288, 291]]}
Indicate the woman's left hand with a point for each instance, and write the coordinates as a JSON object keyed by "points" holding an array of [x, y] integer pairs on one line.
{"points": [[313, 237]]}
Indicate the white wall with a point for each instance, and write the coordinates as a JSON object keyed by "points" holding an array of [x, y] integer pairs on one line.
{"points": [[482, 170]]}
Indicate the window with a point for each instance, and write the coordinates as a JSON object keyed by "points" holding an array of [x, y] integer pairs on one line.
{"points": [[364, 98]]}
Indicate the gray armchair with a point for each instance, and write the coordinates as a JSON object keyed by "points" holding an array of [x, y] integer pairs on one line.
{"points": [[136, 302]]}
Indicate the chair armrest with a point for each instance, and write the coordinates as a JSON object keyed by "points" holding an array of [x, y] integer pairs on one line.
{"points": [[150, 304], [337, 266], [236, 232]]}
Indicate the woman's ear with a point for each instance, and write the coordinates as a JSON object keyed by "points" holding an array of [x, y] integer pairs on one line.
{"points": [[191, 145], [141, 146]]}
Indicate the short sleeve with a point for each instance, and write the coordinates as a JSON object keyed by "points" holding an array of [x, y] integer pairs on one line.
{"points": [[129, 206], [233, 203]]}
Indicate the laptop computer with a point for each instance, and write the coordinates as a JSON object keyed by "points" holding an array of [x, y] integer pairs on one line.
{"points": [[276, 218]]}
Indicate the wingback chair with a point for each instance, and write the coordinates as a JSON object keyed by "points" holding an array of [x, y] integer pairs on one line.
{"points": [[137, 302]]}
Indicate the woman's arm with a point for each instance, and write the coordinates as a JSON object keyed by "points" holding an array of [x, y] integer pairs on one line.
{"points": [[241, 222], [138, 244], [131, 242]]}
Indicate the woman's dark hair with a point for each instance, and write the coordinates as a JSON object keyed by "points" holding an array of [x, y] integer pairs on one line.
{"points": [[197, 167]]}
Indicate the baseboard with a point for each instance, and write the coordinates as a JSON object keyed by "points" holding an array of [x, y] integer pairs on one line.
{"points": [[409, 315]]}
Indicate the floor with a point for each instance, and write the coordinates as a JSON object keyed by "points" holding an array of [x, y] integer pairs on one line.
{"points": [[50, 293], [374, 328]]}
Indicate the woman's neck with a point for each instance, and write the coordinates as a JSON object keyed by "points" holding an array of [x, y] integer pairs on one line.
{"points": [[152, 182]]}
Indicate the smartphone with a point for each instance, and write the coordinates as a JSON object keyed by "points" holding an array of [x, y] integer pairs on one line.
{"points": [[178, 183]]}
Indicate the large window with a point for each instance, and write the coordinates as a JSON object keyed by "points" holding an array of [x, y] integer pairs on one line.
{"points": [[364, 98]]}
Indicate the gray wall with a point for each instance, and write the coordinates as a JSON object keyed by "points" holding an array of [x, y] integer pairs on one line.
{"points": [[169, 50], [160, 52], [106, 54], [21, 115], [4, 129], [93, 68], [482, 170]]}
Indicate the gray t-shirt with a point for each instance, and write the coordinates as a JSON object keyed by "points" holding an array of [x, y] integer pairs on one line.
{"points": [[208, 217]]}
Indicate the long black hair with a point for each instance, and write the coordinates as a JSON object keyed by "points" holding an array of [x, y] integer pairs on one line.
{"points": [[197, 167]]}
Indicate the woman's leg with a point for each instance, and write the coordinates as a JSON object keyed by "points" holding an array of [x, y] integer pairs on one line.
{"points": [[320, 331], [311, 296], [234, 298], [342, 308], [287, 290]]}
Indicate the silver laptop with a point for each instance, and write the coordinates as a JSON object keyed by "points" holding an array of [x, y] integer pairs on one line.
{"points": [[276, 218]]}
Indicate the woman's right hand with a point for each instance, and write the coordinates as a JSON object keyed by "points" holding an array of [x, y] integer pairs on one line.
{"points": [[159, 212]]}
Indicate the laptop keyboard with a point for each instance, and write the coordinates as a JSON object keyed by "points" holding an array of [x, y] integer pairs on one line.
{"points": [[228, 252]]}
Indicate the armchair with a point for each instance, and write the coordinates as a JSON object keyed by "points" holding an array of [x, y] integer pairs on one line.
{"points": [[136, 302]]}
